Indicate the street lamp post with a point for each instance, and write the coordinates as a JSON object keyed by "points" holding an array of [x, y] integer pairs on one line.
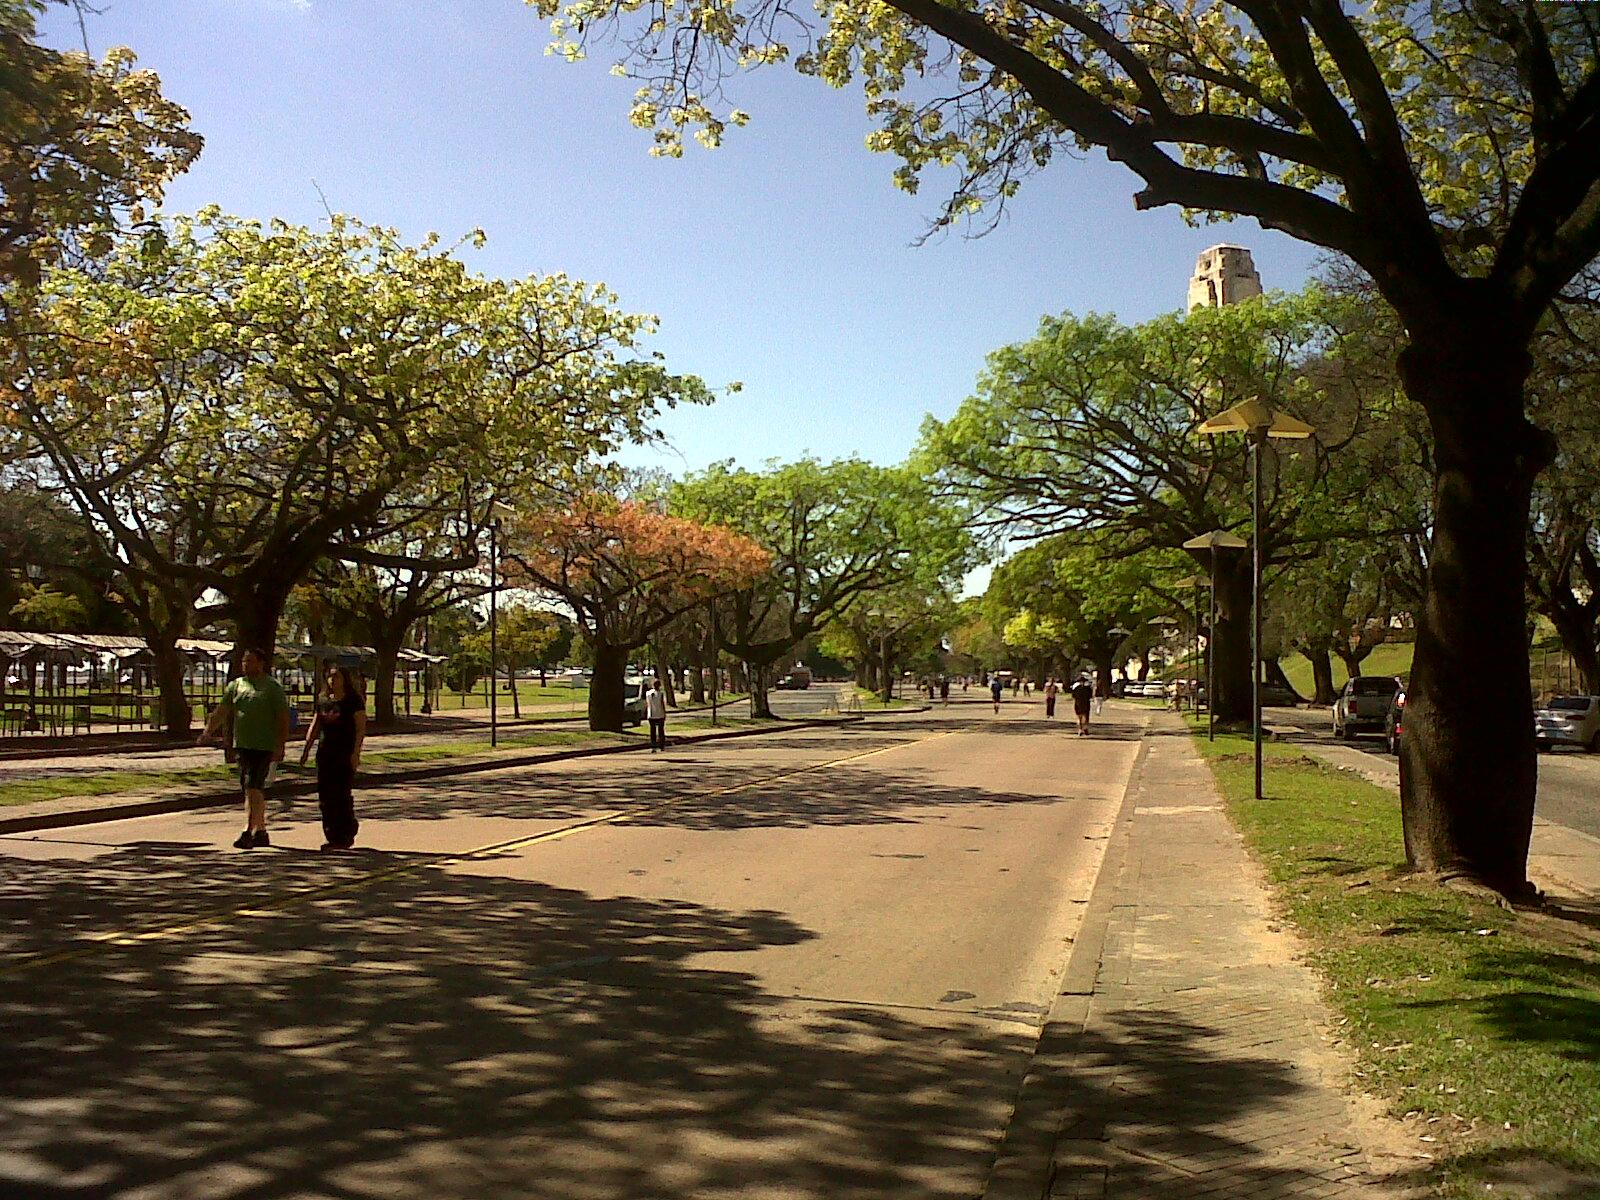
{"points": [[494, 631], [1258, 423]]}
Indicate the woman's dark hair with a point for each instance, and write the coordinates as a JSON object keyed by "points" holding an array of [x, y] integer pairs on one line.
{"points": [[351, 687]]}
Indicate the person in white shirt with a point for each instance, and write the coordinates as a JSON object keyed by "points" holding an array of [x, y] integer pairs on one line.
{"points": [[655, 711]]}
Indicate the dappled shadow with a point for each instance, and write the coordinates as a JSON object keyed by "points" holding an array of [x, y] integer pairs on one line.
{"points": [[701, 796], [1162, 1105], [1536, 1012], [1516, 1172], [439, 1033]]}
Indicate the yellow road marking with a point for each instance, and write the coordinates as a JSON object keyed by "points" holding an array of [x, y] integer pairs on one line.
{"points": [[272, 908]]}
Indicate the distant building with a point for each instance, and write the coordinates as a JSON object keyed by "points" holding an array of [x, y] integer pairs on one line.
{"points": [[1223, 275]]}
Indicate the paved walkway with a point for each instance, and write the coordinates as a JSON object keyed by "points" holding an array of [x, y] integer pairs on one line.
{"points": [[1186, 1055]]}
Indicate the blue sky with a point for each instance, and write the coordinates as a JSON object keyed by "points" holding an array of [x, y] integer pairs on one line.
{"points": [[783, 260]]}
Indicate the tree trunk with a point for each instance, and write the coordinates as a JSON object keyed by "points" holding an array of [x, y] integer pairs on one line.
{"points": [[1231, 662], [760, 705], [664, 673], [606, 695], [386, 653], [1274, 675], [256, 613], [1102, 671], [1468, 770], [1321, 674], [697, 681], [1144, 664], [1352, 658], [516, 700], [167, 664], [1577, 637]]}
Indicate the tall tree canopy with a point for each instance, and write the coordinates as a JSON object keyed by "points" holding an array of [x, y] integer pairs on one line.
{"points": [[82, 145], [1091, 426], [834, 531], [627, 571], [228, 402]]}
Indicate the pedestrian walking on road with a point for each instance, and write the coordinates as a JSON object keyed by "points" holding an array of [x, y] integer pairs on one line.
{"points": [[655, 711], [995, 688], [338, 731], [1099, 699], [259, 711], [1050, 690], [944, 689], [1082, 694]]}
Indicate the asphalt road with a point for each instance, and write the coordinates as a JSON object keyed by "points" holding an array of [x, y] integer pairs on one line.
{"points": [[1569, 780], [812, 964]]}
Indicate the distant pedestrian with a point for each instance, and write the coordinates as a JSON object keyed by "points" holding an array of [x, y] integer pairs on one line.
{"points": [[259, 711], [1027, 688], [1050, 690], [1099, 698], [944, 689], [338, 731], [995, 688], [655, 711], [1082, 694]]}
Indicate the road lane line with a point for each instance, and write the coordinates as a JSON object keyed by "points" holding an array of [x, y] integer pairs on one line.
{"points": [[272, 907]]}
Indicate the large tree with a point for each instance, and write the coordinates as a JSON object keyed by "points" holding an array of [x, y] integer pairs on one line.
{"points": [[627, 571], [834, 531], [229, 402], [1091, 426], [83, 146], [1450, 149]]}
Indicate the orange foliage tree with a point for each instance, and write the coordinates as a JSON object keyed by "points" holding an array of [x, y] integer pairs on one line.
{"points": [[626, 570]]}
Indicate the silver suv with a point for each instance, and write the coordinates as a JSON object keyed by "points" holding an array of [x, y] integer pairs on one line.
{"points": [[1569, 721]]}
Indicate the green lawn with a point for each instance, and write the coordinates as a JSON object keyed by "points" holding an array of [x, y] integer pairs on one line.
{"points": [[29, 791], [1391, 658], [1483, 1021]]}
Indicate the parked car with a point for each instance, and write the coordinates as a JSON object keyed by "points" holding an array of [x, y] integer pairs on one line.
{"points": [[633, 701], [1569, 721], [1393, 720], [1276, 696], [793, 683], [1363, 705]]}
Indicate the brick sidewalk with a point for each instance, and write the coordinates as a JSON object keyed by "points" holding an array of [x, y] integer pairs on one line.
{"points": [[1184, 1057]]}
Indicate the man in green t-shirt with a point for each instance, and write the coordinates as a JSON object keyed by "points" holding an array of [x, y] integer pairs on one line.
{"points": [[260, 713]]}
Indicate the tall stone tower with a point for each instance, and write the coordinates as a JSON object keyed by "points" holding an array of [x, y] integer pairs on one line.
{"points": [[1223, 275]]}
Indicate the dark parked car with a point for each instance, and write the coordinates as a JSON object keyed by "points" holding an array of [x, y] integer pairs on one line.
{"points": [[793, 683], [1363, 706]]}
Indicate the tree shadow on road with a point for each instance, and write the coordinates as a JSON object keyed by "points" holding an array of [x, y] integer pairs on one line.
{"points": [[1162, 1105], [434, 1033], [437, 1033]]}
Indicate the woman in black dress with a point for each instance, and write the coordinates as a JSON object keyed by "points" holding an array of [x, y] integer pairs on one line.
{"points": [[338, 731]]}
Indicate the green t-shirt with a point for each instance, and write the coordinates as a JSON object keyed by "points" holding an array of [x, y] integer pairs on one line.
{"points": [[258, 705]]}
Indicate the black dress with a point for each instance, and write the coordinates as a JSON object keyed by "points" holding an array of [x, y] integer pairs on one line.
{"points": [[335, 775]]}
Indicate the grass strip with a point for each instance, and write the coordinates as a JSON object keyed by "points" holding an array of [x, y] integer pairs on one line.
{"points": [[1482, 1023]]}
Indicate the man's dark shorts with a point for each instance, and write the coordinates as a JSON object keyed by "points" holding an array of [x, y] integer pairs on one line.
{"points": [[253, 768]]}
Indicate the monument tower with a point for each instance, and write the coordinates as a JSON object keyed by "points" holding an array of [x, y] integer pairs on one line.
{"points": [[1223, 275]]}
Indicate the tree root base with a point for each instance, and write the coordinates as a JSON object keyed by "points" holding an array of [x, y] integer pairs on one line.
{"points": [[1523, 896]]}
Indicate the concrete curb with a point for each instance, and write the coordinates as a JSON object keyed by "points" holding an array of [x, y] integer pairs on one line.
{"points": [[1024, 1167], [95, 814]]}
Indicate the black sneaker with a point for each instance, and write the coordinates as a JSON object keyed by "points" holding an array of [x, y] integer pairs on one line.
{"points": [[245, 841], [261, 838]]}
